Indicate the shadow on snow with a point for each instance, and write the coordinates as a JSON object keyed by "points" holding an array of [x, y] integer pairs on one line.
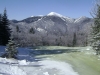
{"points": [[55, 51]]}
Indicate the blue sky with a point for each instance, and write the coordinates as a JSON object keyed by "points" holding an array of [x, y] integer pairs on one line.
{"points": [[21, 9]]}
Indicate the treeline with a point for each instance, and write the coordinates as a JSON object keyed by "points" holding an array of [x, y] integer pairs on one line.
{"points": [[33, 38]]}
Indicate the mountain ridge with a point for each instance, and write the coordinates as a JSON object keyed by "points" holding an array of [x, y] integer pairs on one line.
{"points": [[52, 14], [54, 26]]}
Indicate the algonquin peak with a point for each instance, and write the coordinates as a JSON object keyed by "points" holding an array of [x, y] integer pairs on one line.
{"points": [[51, 26]]}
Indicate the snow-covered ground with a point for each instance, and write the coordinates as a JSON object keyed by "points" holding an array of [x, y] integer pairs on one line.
{"points": [[31, 65]]}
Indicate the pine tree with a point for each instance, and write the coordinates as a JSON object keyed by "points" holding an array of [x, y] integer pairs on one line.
{"points": [[74, 39], [0, 29], [5, 30], [96, 31], [0, 19], [11, 49], [32, 31], [17, 29]]}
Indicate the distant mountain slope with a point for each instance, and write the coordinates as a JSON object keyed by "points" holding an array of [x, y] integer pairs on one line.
{"points": [[54, 24]]}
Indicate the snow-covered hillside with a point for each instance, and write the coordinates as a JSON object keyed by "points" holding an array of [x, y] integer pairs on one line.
{"points": [[51, 29], [51, 22]]}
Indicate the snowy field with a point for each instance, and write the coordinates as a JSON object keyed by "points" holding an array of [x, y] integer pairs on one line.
{"points": [[31, 65]]}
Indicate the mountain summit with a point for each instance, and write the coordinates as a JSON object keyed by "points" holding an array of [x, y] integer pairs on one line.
{"points": [[55, 14]]}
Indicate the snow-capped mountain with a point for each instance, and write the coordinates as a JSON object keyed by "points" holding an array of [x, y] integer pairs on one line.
{"points": [[65, 18], [54, 14], [53, 23], [51, 29], [80, 19]]}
